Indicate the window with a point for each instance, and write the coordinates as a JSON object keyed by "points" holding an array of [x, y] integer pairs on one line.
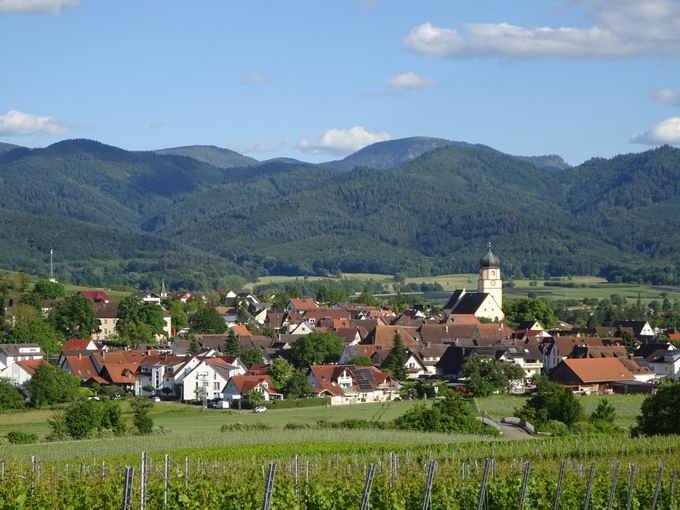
{"points": [[216, 386]]}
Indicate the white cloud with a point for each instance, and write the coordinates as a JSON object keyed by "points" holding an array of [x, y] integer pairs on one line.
{"points": [[255, 79], [259, 147], [340, 142], [14, 123], [409, 81], [667, 96], [620, 29], [33, 6], [665, 132]]}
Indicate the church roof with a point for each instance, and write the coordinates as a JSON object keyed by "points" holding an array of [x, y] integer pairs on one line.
{"points": [[455, 297], [490, 260], [469, 303]]}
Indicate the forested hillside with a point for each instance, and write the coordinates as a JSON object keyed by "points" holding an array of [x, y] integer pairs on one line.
{"points": [[115, 216]]}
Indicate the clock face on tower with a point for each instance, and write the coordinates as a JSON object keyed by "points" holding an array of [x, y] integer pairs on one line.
{"points": [[493, 283]]}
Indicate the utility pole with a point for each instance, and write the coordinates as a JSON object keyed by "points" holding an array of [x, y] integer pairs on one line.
{"points": [[52, 279]]}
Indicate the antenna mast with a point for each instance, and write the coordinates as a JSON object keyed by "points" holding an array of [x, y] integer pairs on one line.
{"points": [[52, 266]]}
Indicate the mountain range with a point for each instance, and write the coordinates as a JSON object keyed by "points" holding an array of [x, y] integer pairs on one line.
{"points": [[204, 216]]}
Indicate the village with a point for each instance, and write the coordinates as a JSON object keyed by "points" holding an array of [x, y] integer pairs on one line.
{"points": [[351, 358]]}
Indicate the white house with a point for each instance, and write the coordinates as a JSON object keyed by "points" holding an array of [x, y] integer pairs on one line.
{"points": [[158, 371], [210, 376], [666, 364], [415, 365], [21, 371], [149, 297], [350, 384], [300, 329], [528, 357], [11, 353], [241, 386]]}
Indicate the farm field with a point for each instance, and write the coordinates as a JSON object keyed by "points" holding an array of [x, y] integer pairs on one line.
{"points": [[265, 280], [593, 286]]}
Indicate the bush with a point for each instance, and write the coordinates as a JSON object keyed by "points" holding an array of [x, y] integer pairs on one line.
{"points": [[299, 426], [18, 437], [58, 428], [299, 402], [452, 414], [50, 385], [551, 402], [603, 417], [85, 417], [239, 427], [143, 421], [10, 397], [660, 413]]}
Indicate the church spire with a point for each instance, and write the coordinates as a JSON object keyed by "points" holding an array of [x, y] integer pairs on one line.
{"points": [[164, 293]]}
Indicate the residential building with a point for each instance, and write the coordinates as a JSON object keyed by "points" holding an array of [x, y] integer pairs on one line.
{"points": [[240, 387], [350, 384], [591, 375]]}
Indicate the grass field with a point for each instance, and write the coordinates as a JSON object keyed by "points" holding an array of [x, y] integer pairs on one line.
{"points": [[116, 295], [266, 280], [180, 418], [627, 406]]}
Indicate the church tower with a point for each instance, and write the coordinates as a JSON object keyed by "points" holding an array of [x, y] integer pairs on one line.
{"points": [[490, 277]]}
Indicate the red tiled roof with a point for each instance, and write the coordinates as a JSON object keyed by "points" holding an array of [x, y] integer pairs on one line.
{"points": [[595, 370], [384, 336], [566, 344], [259, 369], [81, 366], [31, 365], [304, 304], [95, 295], [322, 313], [241, 330], [244, 384], [76, 344], [120, 373]]}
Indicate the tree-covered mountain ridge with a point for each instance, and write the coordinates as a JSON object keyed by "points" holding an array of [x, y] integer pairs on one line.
{"points": [[192, 222]]}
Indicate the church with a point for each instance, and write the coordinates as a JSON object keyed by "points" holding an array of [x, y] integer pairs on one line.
{"points": [[487, 302]]}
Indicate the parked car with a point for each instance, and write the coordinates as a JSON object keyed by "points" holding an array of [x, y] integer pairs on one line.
{"points": [[156, 399], [260, 409]]}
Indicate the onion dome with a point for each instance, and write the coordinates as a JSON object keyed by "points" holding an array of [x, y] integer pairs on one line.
{"points": [[490, 260]]}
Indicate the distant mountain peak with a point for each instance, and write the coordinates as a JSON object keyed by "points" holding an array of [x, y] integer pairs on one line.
{"points": [[390, 153], [550, 162], [211, 154]]}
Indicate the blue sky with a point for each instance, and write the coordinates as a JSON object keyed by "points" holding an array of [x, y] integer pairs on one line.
{"points": [[315, 80]]}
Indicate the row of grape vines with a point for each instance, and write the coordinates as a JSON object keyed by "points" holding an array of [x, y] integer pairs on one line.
{"points": [[590, 474]]}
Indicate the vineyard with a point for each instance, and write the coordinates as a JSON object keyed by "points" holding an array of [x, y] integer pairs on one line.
{"points": [[593, 472]]}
